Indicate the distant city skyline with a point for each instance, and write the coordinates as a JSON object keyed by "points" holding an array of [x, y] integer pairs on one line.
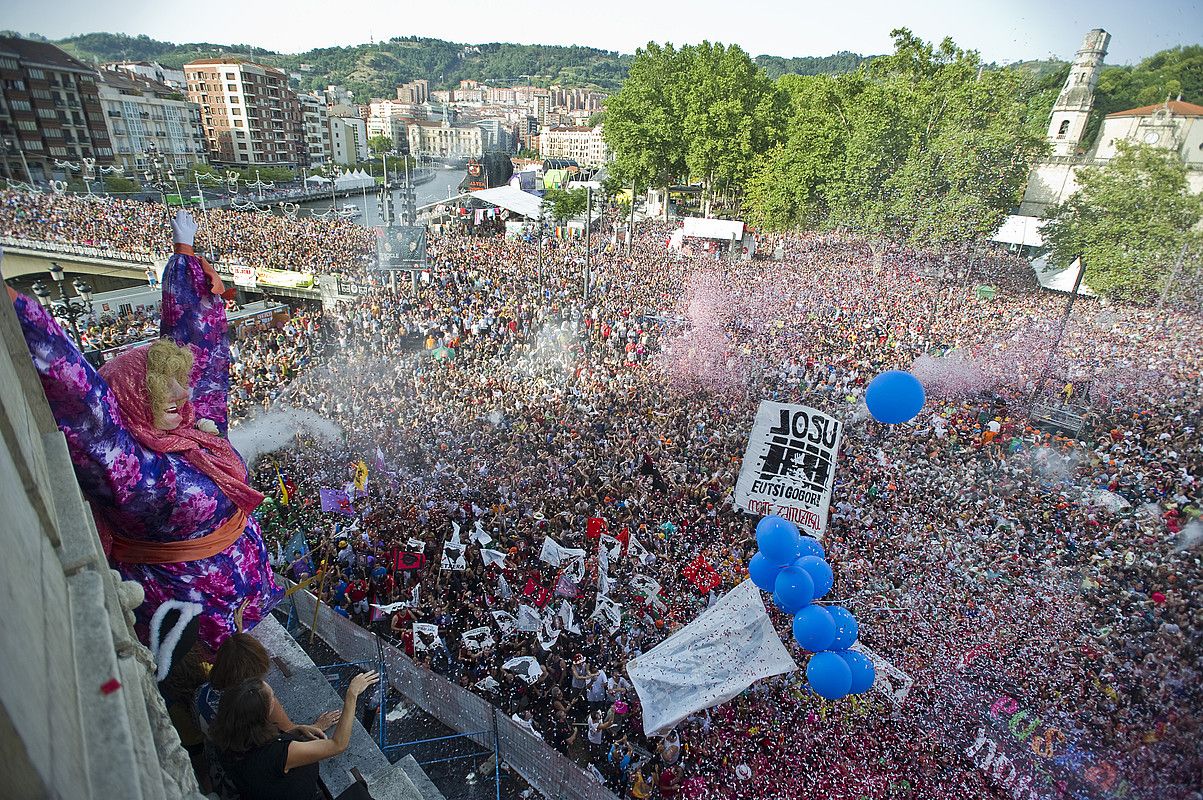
{"points": [[1003, 32]]}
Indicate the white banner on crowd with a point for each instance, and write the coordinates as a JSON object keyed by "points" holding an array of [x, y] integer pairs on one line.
{"points": [[478, 639], [608, 611], [492, 557], [454, 556], [479, 536], [555, 555], [525, 667], [789, 466], [426, 636], [891, 681], [729, 647], [506, 622], [528, 619]]}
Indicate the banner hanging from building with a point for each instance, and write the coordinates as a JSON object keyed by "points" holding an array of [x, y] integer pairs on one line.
{"points": [[244, 275], [284, 278], [789, 466]]}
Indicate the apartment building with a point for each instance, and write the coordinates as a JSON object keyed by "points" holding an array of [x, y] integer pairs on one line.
{"points": [[316, 124], [144, 116], [348, 135], [249, 114], [414, 92], [49, 110], [443, 140], [581, 143], [151, 71]]}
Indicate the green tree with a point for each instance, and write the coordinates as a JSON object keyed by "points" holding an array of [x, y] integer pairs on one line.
{"points": [[1128, 221], [116, 183], [380, 144], [565, 204]]}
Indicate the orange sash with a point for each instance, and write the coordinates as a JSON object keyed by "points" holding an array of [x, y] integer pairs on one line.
{"points": [[135, 552], [186, 250]]}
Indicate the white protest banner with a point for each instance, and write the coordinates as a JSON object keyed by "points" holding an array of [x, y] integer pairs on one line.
{"points": [[611, 545], [506, 622], [890, 681], [789, 466], [453, 556], [479, 536], [555, 555], [729, 647], [568, 618], [503, 588], [574, 567], [649, 589], [488, 684], [478, 639], [638, 552], [426, 636], [525, 667], [416, 546]]}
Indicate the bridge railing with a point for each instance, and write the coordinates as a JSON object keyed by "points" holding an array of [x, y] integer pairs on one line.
{"points": [[66, 248]]}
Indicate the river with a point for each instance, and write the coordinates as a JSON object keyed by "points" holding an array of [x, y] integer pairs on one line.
{"points": [[445, 181]]}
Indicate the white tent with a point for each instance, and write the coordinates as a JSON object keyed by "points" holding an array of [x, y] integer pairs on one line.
{"points": [[354, 180], [316, 179], [1060, 280], [707, 228], [1021, 230], [511, 199]]}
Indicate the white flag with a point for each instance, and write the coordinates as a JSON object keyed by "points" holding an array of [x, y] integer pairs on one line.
{"points": [[554, 554], [505, 621], [492, 557], [503, 588], [478, 639], [712, 659], [525, 667], [613, 546], [608, 612], [479, 536], [638, 551], [426, 636], [568, 618], [528, 619], [453, 556], [454, 532]]}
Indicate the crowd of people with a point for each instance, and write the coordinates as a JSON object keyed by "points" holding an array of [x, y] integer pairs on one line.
{"points": [[130, 226], [984, 556], [1000, 565]]}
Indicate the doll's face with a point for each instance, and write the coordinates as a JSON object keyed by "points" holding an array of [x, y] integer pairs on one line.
{"points": [[167, 411]]}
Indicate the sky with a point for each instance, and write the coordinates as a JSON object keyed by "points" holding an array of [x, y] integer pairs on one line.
{"points": [[1002, 31]]}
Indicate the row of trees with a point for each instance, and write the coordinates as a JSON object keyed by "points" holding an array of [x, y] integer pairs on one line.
{"points": [[926, 145]]}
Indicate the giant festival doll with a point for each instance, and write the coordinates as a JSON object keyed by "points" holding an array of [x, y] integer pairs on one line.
{"points": [[147, 437]]}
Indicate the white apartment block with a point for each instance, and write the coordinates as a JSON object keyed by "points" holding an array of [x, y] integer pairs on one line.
{"points": [[152, 71], [317, 127], [445, 141], [143, 116], [583, 144], [348, 136]]}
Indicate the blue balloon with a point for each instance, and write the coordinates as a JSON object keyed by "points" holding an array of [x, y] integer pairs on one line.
{"points": [[820, 573], [814, 629], [763, 572], [778, 540], [845, 627], [894, 397], [863, 671], [794, 589], [809, 546], [829, 675]]}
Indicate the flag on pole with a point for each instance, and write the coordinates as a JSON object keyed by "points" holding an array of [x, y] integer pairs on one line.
{"points": [[361, 476], [336, 501], [286, 488]]}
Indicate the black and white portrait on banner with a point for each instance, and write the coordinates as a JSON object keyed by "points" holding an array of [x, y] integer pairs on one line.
{"points": [[789, 466]]}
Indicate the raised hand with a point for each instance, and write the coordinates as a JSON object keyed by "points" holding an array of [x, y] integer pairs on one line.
{"points": [[362, 682], [183, 228]]}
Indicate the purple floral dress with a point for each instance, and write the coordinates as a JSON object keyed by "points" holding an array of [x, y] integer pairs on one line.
{"points": [[144, 495]]}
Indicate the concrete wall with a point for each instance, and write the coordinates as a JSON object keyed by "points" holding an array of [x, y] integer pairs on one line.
{"points": [[66, 630]]}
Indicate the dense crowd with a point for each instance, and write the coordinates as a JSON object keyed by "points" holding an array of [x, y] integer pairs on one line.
{"points": [[985, 557], [1040, 588], [131, 226]]}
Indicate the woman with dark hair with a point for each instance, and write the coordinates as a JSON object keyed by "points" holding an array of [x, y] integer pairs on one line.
{"points": [[267, 764]]}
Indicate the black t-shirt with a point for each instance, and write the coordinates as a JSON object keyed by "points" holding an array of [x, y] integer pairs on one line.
{"points": [[259, 774]]}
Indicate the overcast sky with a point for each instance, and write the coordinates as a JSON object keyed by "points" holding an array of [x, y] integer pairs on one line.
{"points": [[1001, 31]]}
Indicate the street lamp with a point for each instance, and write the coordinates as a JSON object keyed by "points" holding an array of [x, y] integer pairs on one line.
{"points": [[9, 144], [260, 185], [160, 172], [65, 309]]}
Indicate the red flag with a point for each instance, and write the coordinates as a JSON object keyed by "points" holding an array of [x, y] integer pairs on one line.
{"points": [[701, 575], [544, 597], [595, 527], [624, 536]]}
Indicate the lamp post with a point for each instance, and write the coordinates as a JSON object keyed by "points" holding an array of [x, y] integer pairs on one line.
{"points": [[209, 179], [16, 142], [260, 185], [158, 172], [64, 309]]}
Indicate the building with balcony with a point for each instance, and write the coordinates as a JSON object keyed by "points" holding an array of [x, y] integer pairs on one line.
{"points": [[143, 115], [443, 140], [249, 114], [151, 71], [580, 143], [49, 109], [316, 122], [348, 135]]}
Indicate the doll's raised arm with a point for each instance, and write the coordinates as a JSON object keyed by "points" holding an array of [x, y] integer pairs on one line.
{"points": [[194, 315]]}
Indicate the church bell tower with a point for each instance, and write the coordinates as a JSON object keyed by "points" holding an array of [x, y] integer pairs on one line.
{"points": [[1072, 109]]}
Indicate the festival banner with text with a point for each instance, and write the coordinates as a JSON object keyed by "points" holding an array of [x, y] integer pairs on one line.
{"points": [[789, 466]]}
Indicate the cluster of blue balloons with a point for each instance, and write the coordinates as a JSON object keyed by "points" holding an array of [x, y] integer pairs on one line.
{"points": [[794, 568], [895, 397]]}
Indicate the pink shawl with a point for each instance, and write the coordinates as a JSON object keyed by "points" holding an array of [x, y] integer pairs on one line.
{"points": [[212, 455]]}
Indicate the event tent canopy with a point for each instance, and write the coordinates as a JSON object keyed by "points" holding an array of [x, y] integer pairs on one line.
{"points": [[1020, 230], [512, 199], [707, 228]]}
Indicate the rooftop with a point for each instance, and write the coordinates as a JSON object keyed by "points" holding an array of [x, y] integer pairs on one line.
{"points": [[1177, 107], [42, 53]]}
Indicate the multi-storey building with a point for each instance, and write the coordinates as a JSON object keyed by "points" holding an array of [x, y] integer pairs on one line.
{"points": [[338, 96], [581, 143], [443, 140], [316, 124], [152, 71], [144, 116], [348, 135], [249, 113], [498, 136], [49, 109], [414, 92]]}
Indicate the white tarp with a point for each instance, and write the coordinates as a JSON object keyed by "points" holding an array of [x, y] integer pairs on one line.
{"points": [[789, 466], [513, 199], [707, 228], [891, 682], [729, 647], [1060, 280], [1017, 229]]}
